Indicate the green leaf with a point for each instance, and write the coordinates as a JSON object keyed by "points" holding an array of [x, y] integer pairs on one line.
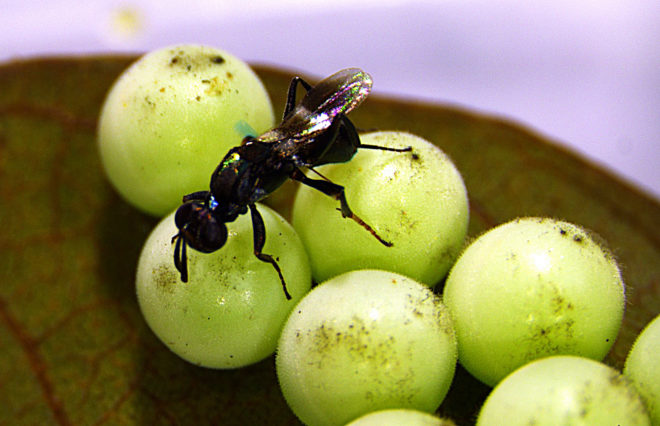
{"points": [[73, 346]]}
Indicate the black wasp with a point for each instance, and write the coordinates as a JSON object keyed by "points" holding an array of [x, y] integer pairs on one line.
{"points": [[313, 132]]}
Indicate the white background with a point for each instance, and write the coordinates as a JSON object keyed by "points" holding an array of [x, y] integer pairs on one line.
{"points": [[584, 73]]}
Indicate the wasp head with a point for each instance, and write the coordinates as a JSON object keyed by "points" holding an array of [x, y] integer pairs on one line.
{"points": [[199, 229]]}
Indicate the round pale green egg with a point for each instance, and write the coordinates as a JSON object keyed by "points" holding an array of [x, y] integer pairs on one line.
{"points": [[171, 117], [643, 367], [399, 417], [415, 200], [530, 288], [230, 312], [564, 390], [365, 341]]}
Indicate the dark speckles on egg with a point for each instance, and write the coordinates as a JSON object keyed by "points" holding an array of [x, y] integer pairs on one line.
{"points": [[571, 233], [555, 336], [165, 278], [150, 103], [215, 86], [217, 59]]}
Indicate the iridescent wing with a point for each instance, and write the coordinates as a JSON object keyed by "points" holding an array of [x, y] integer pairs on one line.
{"points": [[338, 94]]}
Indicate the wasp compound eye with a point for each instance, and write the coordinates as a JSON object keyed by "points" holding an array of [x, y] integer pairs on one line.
{"points": [[211, 236], [183, 215]]}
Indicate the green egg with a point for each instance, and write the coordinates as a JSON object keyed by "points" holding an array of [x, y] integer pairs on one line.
{"points": [[171, 117], [230, 312], [563, 390], [643, 367], [531, 288], [398, 417], [415, 200], [364, 341]]}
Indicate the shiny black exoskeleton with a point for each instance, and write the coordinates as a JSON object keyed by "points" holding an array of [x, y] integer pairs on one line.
{"points": [[313, 132]]}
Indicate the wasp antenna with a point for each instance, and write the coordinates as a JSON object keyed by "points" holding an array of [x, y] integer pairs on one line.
{"points": [[180, 257]]}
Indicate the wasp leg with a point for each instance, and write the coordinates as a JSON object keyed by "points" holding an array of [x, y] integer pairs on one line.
{"points": [[180, 257], [291, 94], [385, 148], [259, 234], [337, 192]]}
